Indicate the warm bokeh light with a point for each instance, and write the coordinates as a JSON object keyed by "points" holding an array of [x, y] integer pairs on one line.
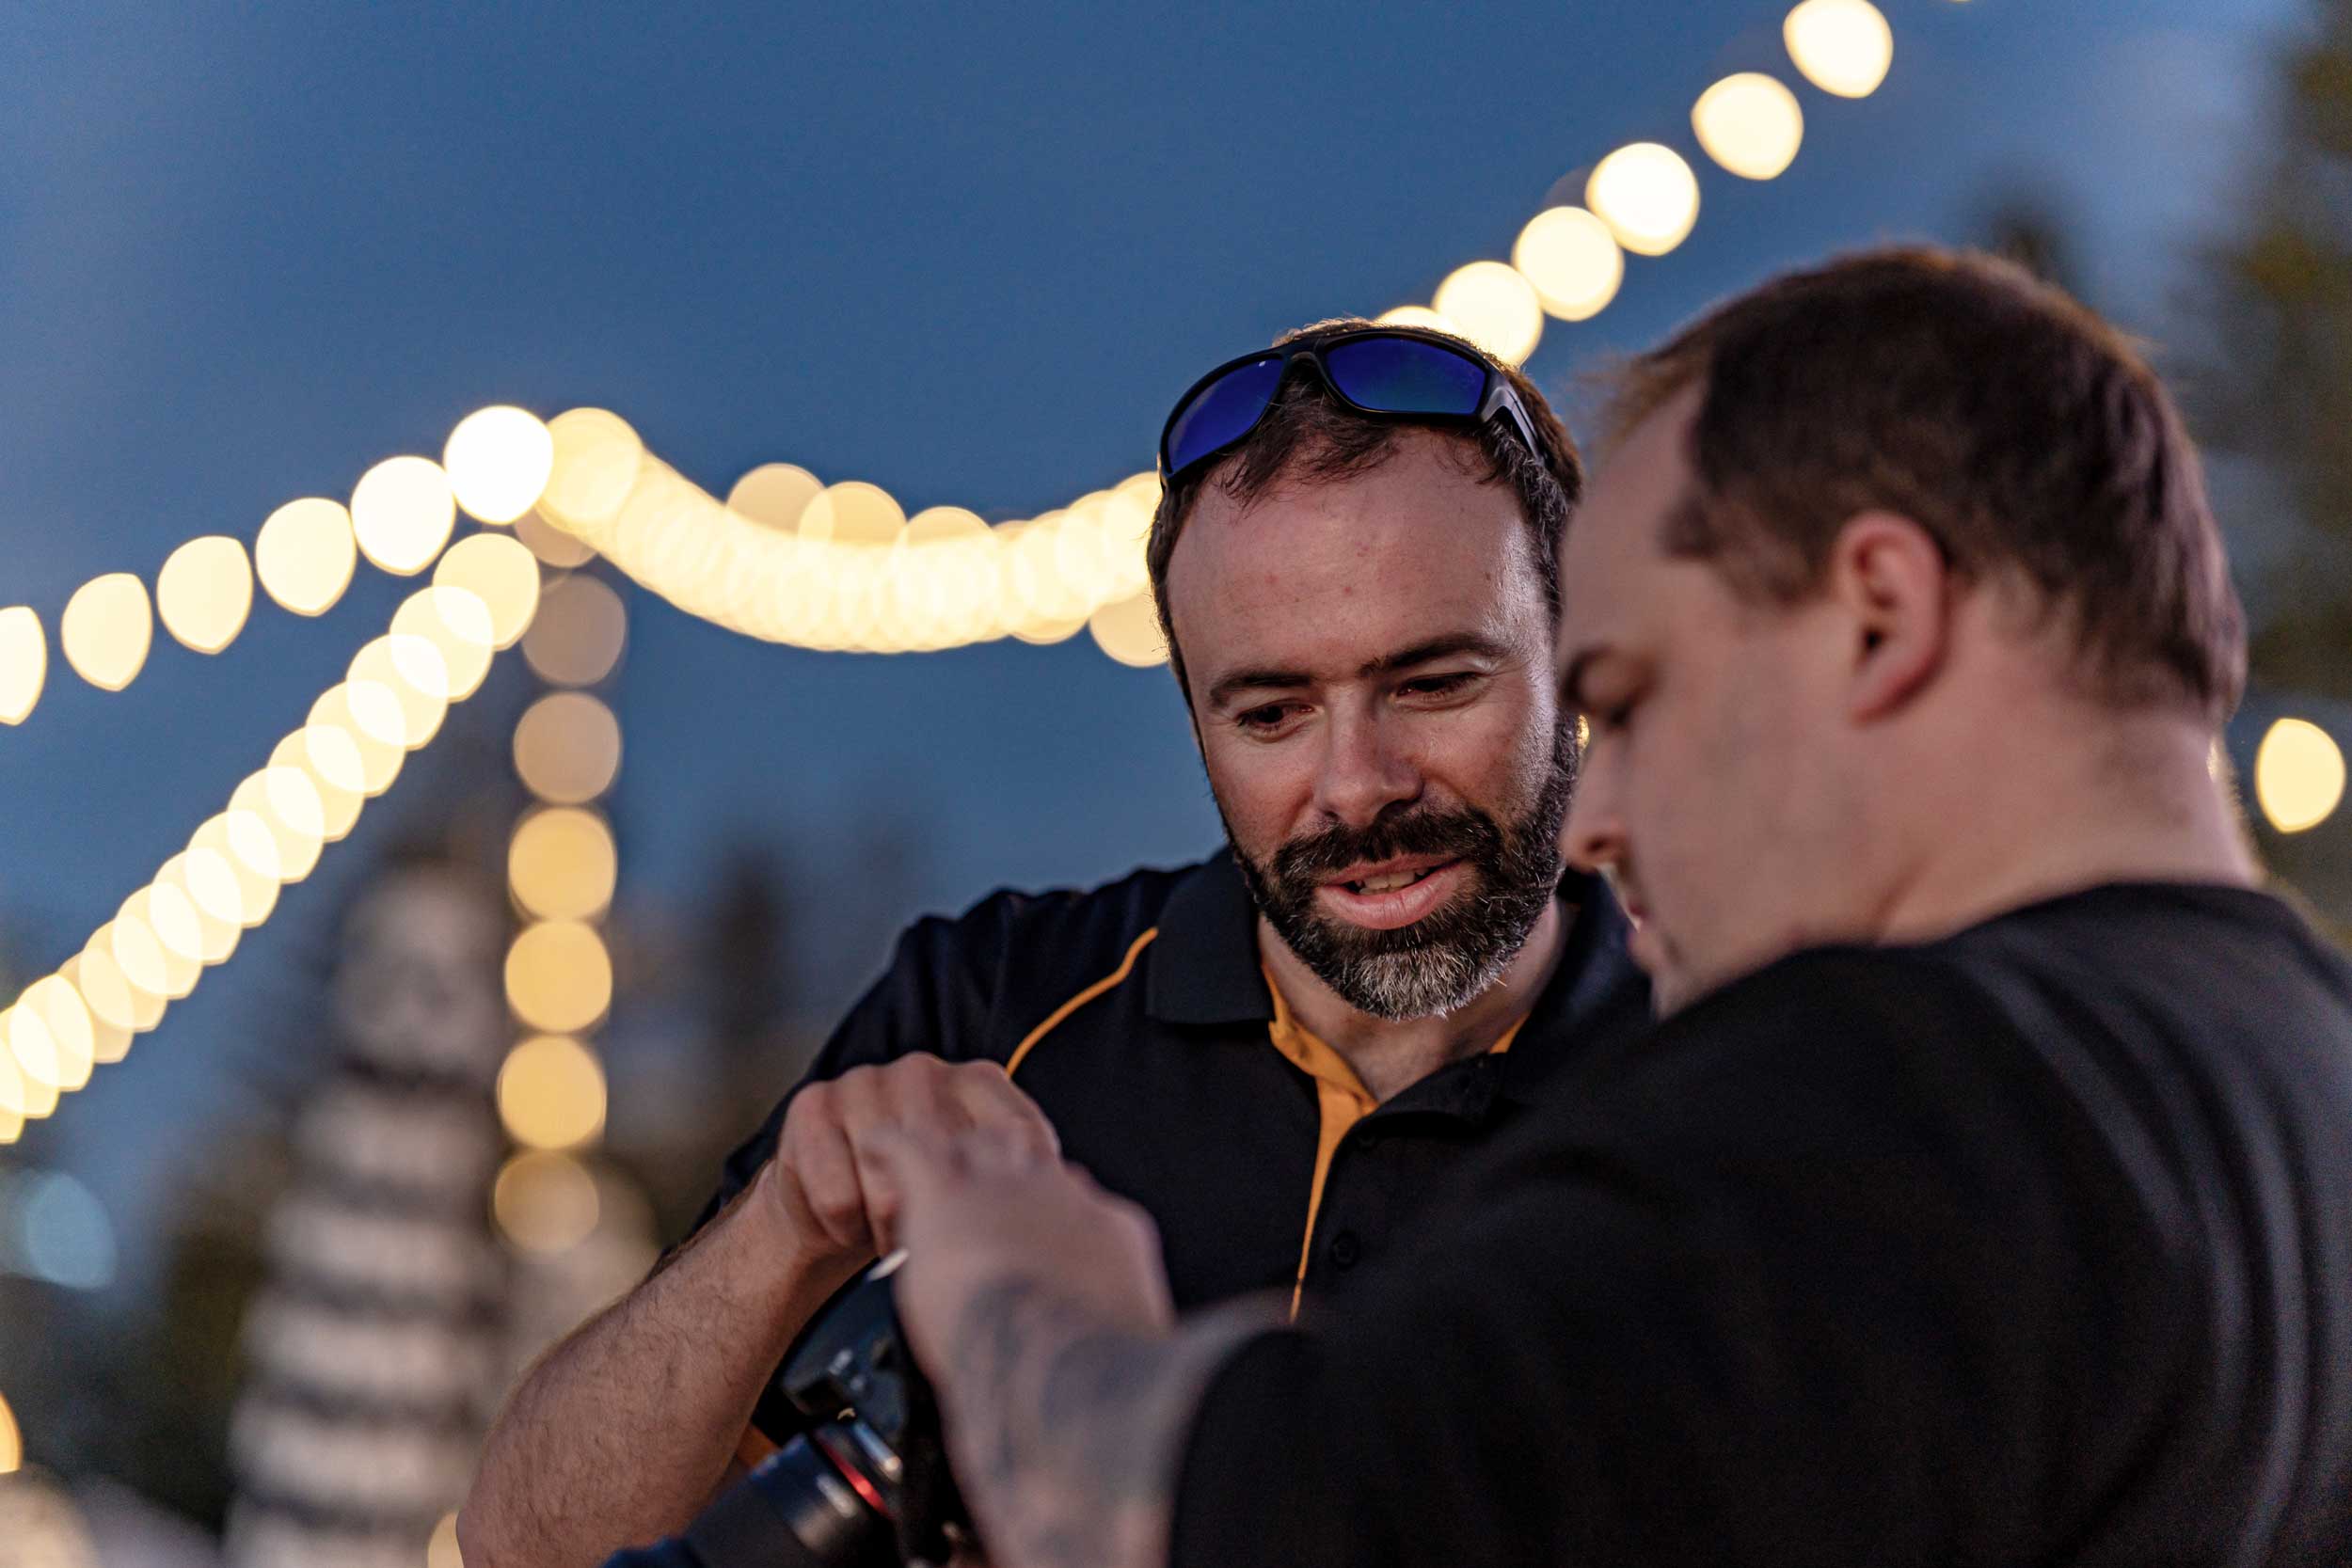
{"points": [[305, 554], [550, 544], [411, 668], [853, 512], [1750, 124], [75, 1034], [577, 637], [497, 461], [2298, 775], [562, 863], [369, 713], [147, 963], [24, 664], [11, 1442], [212, 881], [458, 622], [775, 494], [216, 934], [500, 572], [204, 592], [110, 1021], [1571, 259], [243, 839], [106, 630], [545, 1202], [1496, 307], [1646, 194], [172, 917], [567, 748], [329, 754], [287, 804], [1420, 316], [25, 1037], [402, 513], [597, 460], [1129, 630], [1843, 46], [558, 977], [551, 1093], [113, 997]]}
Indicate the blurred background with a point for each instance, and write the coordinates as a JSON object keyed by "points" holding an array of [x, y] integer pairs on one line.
{"points": [[530, 791]]}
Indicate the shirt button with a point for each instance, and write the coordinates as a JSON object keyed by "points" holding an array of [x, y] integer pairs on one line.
{"points": [[1345, 1250]]}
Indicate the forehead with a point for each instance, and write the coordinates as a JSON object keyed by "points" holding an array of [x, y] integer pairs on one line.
{"points": [[1349, 568], [1612, 563]]}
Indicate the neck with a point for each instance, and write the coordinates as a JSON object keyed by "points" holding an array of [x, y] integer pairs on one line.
{"points": [[1390, 1055], [2140, 806]]}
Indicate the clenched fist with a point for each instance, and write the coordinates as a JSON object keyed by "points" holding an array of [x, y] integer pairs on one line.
{"points": [[831, 1191]]}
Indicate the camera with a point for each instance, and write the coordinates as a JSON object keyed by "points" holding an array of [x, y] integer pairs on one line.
{"points": [[868, 1482]]}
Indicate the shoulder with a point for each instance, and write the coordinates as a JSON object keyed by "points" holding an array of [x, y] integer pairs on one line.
{"points": [[1015, 946]]}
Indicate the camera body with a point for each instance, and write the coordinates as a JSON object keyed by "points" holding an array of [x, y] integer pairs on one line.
{"points": [[868, 1482]]}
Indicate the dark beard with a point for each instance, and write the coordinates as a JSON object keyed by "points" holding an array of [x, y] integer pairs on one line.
{"points": [[1440, 962]]}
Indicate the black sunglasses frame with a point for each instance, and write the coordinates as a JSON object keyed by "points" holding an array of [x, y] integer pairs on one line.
{"points": [[1499, 399]]}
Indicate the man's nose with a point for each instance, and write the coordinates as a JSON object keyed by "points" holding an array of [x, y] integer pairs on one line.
{"points": [[1593, 835], [1364, 772]]}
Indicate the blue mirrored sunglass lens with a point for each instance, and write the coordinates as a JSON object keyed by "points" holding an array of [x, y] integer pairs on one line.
{"points": [[1402, 375], [1222, 411]]}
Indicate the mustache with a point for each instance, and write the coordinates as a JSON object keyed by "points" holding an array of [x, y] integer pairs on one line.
{"points": [[1459, 835]]}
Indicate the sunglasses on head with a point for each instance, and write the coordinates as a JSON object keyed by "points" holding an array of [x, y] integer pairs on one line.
{"points": [[1400, 372]]}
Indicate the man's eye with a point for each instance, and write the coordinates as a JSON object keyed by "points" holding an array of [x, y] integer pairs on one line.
{"points": [[1437, 686], [1270, 717]]}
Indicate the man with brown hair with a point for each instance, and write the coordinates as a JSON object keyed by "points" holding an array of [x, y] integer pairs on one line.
{"points": [[1276, 1051], [1986, 1197]]}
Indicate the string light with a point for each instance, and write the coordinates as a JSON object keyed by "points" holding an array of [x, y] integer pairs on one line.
{"points": [[1572, 261], [1843, 46], [1750, 124], [551, 1093], [581, 626], [106, 630], [567, 748], [497, 460], [204, 592], [306, 555], [24, 664], [2298, 775], [1497, 308], [545, 1202], [401, 512], [1646, 194]]}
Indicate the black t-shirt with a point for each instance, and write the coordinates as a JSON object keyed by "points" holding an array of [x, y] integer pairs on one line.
{"points": [[2029, 1245]]}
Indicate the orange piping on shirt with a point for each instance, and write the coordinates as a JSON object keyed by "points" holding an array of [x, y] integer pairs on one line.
{"points": [[1341, 1101], [1053, 1019]]}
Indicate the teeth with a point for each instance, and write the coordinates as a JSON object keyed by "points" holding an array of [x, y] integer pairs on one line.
{"points": [[1392, 881]]}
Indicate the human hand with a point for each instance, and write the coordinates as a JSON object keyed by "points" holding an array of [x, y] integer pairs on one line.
{"points": [[837, 1199], [985, 1210]]}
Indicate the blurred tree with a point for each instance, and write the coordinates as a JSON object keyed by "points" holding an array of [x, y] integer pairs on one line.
{"points": [[2280, 393]]}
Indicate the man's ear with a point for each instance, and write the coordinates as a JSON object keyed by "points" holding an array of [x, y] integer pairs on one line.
{"points": [[1890, 578]]}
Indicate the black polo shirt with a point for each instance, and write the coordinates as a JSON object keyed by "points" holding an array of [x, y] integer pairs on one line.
{"points": [[1139, 1019]]}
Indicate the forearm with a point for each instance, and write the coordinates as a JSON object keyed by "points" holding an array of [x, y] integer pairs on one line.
{"points": [[1067, 1434], [622, 1432]]}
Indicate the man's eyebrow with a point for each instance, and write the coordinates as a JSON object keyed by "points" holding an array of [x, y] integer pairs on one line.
{"points": [[1448, 647], [1231, 686]]}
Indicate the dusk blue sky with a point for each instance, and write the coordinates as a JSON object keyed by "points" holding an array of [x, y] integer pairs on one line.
{"points": [[966, 252]]}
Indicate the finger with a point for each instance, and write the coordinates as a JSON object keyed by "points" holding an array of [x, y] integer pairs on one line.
{"points": [[1000, 1150], [990, 1100], [829, 1183]]}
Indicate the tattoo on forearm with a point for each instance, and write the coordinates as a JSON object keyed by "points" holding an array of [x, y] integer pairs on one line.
{"points": [[1066, 1434]]}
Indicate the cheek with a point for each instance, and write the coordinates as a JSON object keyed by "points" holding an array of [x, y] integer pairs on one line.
{"points": [[1262, 790]]}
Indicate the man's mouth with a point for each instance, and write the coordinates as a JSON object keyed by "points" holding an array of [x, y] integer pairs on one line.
{"points": [[1392, 893]]}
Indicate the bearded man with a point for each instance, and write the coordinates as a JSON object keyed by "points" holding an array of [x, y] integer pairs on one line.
{"points": [[1275, 1052]]}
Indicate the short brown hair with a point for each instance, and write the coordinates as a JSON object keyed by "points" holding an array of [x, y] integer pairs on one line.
{"points": [[1310, 435], [2019, 429]]}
